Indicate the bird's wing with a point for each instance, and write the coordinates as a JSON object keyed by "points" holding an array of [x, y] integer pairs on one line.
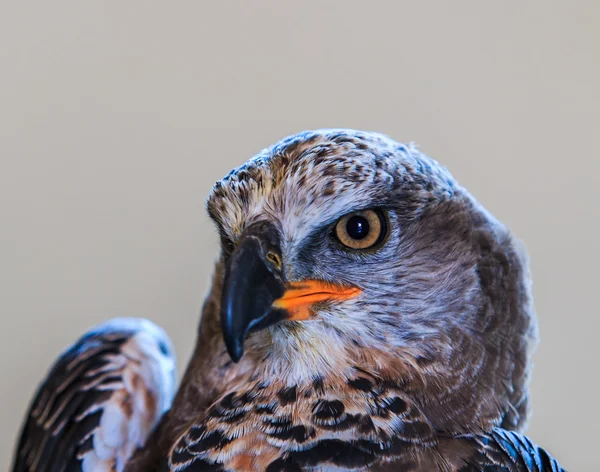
{"points": [[508, 451], [100, 400]]}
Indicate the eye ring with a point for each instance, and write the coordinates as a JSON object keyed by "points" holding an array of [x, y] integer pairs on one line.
{"points": [[361, 230]]}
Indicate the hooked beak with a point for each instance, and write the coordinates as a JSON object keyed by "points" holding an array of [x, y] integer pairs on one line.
{"points": [[256, 294]]}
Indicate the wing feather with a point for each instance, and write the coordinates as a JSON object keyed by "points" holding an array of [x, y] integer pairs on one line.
{"points": [[509, 451], [100, 400]]}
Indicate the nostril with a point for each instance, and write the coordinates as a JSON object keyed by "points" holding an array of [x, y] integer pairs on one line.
{"points": [[275, 259]]}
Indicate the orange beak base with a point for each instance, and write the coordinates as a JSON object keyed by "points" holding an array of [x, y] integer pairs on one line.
{"points": [[299, 297]]}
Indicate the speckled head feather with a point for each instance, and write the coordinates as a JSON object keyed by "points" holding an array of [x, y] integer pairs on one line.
{"points": [[443, 328]]}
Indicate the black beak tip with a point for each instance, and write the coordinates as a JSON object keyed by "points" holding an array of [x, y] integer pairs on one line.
{"points": [[235, 350]]}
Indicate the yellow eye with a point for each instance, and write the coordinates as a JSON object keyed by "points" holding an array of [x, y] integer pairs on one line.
{"points": [[361, 229]]}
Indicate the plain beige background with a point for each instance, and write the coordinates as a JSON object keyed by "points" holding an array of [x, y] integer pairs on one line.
{"points": [[117, 117]]}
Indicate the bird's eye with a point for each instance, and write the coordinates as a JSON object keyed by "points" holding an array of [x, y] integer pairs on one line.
{"points": [[361, 229]]}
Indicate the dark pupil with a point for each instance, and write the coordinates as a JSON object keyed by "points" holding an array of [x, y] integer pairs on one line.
{"points": [[357, 227]]}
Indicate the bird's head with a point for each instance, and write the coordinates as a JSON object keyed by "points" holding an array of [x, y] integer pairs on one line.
{"points": [[344, 249]]}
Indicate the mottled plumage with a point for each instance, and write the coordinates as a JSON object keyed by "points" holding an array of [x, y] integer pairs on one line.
{"points": [[411, 352]]}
